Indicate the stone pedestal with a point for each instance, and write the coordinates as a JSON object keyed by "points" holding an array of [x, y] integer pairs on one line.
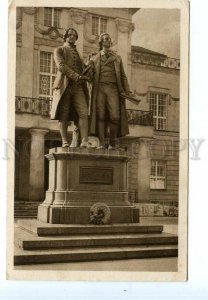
{"points": [[79, 178]]}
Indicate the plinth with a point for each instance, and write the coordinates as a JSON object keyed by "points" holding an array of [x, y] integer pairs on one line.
{"points": [[79, 178]]}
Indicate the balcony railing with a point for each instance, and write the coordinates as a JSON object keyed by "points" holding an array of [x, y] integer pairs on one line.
{"points": [[148, 59], [140, 117], [42, 107], [33, 106]]}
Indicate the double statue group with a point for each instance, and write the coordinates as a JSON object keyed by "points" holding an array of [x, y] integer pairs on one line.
{"points": [[73, 100]]}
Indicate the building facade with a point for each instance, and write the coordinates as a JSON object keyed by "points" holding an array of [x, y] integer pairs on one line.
{"points": [[153, 142]]}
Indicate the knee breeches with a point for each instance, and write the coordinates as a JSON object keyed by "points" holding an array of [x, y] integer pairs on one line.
{"points": [[74, 96], [108, 103]]}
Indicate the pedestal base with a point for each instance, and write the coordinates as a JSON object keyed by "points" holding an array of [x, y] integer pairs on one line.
{"points": [[80, 178], [81, 215]]}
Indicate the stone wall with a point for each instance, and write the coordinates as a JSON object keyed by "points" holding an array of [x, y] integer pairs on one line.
{"points": [[147, 78]]}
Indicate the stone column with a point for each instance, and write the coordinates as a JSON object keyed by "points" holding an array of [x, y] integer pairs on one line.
{"points": [[144, 165], [78, 19], [124, 29], [37, 151], [24, 164]]}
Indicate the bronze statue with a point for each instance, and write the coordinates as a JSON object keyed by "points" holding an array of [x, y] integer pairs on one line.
{"points": [[110, 85], [70, 93]]}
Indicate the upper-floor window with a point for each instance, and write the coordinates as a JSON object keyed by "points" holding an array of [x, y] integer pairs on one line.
{"points": [[158, 174], [52, 17], [47, 75], [99, 25], [158, 105]]}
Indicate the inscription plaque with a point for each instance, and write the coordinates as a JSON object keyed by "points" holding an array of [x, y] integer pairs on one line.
{"points": [[95, 175]]}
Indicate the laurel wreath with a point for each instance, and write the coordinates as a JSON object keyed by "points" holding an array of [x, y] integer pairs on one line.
{"points": [[100, 214]]}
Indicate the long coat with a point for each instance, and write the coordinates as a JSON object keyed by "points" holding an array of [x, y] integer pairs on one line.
{"points": [[123, 86], [63, 58]]}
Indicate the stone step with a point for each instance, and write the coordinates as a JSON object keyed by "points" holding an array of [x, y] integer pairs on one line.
{"points": [[30, 241], [21, 211], [25, 214], [45, 229], [25, 209], [23, 257], [26, 203], [25, 217], [32, 204], [31, 211]]}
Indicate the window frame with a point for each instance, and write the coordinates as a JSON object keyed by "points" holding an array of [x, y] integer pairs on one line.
{"points": [[52, 20], [99, 24], [51, 74], [156, 177], [157, 116]]}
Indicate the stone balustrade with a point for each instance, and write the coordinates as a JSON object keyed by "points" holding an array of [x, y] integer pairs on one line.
{"points": [[42, 107], [160, 61], [32, 105]]}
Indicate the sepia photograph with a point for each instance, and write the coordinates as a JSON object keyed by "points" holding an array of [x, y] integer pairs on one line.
{"points": [[99, 183]]}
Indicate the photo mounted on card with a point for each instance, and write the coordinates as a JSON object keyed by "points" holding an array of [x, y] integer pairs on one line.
{"points": [[98, 109]]}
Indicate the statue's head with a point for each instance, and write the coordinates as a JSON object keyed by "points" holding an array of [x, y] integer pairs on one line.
{"points": [[68, 31], [104, 40]]}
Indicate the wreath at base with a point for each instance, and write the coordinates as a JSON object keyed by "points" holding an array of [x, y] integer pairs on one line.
{"points": [[100, 214]]}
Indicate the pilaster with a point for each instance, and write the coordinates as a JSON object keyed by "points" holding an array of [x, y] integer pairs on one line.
{"points": [[27, 63], [124, 29], [144, 166], [78, 19]]}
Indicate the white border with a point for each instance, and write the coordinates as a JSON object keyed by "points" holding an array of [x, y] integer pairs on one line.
{"points": [[110, 276]]}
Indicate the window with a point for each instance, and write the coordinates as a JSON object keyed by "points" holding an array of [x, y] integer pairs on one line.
{"points": [[52, 17], [158, 174], [47, 75], [99, 25], [158, 105]]}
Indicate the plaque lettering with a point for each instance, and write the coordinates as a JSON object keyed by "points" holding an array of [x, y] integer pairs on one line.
{"points": [[96, 175]]}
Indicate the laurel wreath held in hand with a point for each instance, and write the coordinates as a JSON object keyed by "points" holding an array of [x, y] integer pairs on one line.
{"points": [[100, 214]]}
